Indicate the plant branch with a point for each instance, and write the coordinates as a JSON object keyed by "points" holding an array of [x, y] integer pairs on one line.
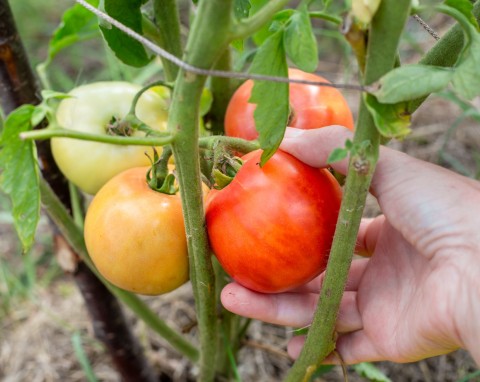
{"points": [[208, 38], [58, 132], [137, 96], [326, 16], [384, 36], [234, 144], [249, 26], [168, 23]]}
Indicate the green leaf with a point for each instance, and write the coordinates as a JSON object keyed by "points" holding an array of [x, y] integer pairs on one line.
{"points": [[78, 24], [206, 101], [2, 122], [126, 48], [238, 45], [371, 372], [300, 42], [51, 94], [39, 114], [468, 109], [466, 80], [271, 98], [281, 19], [326, 4], [82, 357], [391, 120], [241, 8], [20, 176], [319, 371], [337, 155], [465, 7], [411, 82], [264, 32]]}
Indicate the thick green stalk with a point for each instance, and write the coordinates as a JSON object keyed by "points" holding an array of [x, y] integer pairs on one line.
{"points": [[63, 220], [384, 36], [207, 40], [168, 23]]}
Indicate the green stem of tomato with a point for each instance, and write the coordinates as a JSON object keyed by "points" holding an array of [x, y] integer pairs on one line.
{"points": [[247, 27], [207, 39], [232, 143], [74, 235], [326, 16], [167, 21], [133, 107], [384, 36], [159, 139]]}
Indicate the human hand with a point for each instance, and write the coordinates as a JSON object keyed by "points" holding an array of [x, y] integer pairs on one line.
{"points": [[419, 294]]}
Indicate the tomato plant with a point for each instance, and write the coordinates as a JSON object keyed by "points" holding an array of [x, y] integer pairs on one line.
{"points": [[91, 108], [311, 107], [271, 228], [136, 236]]}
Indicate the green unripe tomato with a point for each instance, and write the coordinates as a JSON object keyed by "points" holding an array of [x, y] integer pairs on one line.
{"points": [[87, 164]]}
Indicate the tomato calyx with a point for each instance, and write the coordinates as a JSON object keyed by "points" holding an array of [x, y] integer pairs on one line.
{"points": [[119, 126], [225, 167], [158, 176]]}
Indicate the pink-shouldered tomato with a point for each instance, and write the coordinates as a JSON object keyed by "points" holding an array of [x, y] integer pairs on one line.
{"points": [[311, 107], [271, 228]]}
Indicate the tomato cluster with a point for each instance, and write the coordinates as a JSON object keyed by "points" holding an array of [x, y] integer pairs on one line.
{"points": [[271, 228]]}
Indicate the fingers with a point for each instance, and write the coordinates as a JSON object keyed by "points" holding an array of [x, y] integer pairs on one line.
{"points": [[417, 197], [368, 234], [314, 146], [349, 318], [295, 346], [288, 309], [394, 169], [354, 277], [353, 347]]}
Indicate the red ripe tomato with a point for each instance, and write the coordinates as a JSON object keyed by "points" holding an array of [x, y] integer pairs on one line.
{"points": [[312, 107], [271, 228]]}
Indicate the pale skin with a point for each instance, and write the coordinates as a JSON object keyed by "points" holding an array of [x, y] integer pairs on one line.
{"points": [[418, 294]]}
